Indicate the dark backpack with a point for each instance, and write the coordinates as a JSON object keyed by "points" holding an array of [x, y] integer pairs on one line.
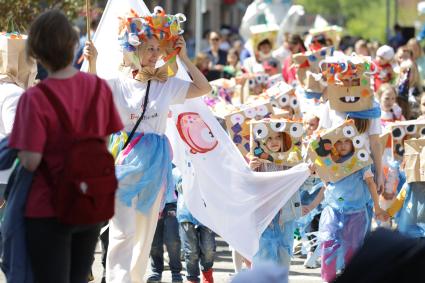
{"points": [[84, 190]]}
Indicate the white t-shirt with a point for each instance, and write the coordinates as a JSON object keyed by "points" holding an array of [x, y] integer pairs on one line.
{"points": [[9, 97], [129, 96], [330, 118]]}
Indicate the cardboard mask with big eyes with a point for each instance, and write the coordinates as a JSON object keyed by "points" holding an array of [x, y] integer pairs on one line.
{"points": [[348, 82], [308, 70], [322, 153], [219, 100], [258, 80], [282, 95], [291, 131], [402, 131], [237, 123]]}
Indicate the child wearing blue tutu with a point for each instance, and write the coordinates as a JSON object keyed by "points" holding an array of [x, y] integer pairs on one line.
{"points": [[277, 240], [344, 220]]}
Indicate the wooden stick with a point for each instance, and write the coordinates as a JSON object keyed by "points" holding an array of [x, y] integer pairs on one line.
{"points": [[88, 23]]}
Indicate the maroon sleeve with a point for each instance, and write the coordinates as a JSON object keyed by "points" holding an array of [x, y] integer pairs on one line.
{"points": [[114, 121], [29, 130]]}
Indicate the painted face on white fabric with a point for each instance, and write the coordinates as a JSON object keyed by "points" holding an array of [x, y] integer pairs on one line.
{"points": [[150, 53]]}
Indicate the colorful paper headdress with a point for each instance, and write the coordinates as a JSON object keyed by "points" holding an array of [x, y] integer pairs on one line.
{"points": [[134, 29]]}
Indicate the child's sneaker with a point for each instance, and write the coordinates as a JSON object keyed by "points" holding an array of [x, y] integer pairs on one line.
{"points": [[154, 278], [176, 278], [311, 261]]}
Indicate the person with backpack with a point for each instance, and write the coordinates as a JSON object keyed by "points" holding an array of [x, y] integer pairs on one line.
{"points": [[143, 96], [60, 131]]}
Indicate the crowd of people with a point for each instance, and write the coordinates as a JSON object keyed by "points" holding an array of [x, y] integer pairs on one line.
{"points": [[346, 96]]}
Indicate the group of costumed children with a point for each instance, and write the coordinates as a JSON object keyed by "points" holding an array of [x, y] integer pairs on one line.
{"points": [[356, 149]]}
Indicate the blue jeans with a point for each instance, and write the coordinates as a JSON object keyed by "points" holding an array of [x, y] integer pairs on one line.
{"points": [[199, 247], [167, 232]]}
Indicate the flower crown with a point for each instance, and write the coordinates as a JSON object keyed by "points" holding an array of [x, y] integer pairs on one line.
{"points": [[134, 29]]}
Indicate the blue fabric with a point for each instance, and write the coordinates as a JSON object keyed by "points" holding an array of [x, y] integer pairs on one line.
{"points": [[183, 213], [276, 243], [144, 171], [16, 263], [312, 95], [421, 34], [412, 215], [349, 194], [374, 112]]}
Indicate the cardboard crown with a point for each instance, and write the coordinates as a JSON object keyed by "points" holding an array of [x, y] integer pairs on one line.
{"points": [[348, 80], [330, 32], [263, 32], [415, 160], [402, 131], [321, 151], [237, 123], [290, 153], [307, 65]]}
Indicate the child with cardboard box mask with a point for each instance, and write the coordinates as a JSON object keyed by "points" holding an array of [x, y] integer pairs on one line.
{"points": [[344, 221]]}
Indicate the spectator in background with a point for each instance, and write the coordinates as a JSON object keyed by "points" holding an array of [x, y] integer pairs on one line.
{"points": [[384, 72], [360, 47], [398, 39], [417, 56], [295, 45], [243, 52], [225, 39], [202, 62], [217, 56], [78, 60], [233, 66]]}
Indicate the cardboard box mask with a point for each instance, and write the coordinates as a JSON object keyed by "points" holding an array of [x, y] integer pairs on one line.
{"points": [[307, 66], [348, 80], [322, 152], [282, 96], [237, 123], [415, 160], [402, 131], [263, 32], [292, 133]]}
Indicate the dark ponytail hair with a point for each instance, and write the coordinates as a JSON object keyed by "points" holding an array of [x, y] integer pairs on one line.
{"points": [[362, 125]]}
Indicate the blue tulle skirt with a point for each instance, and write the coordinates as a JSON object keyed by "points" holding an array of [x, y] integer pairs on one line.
{"points": [[276, 242], [412, 215], [143, 169]]}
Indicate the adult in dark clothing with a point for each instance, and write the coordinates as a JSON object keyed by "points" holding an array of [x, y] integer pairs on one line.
{"points": [[218, 57]]}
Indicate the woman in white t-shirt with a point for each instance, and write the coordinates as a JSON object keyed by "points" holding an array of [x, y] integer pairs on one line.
{"points": [[143, 168]]}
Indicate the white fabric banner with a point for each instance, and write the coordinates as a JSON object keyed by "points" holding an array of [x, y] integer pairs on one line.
{"points": [[220, 189]]}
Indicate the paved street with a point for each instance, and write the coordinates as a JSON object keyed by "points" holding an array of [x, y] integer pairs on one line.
{"points": [[223, 268]]}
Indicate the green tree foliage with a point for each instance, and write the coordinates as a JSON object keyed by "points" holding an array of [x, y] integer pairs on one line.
{"points": [[23, 12], [361, 18]]}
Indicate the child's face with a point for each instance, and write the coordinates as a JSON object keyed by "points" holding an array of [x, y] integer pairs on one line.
{"points": [[387, 100], [423, 104], [312, 125], [381, 61], [344, 147], [275, 142], [232, 59]]}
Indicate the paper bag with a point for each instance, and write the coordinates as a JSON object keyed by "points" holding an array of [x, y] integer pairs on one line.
{"points": [[415, 160], [15, 66], [322, 153], [237, 123], [292, 132], [402, 131]]}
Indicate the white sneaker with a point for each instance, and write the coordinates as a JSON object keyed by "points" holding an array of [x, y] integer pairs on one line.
{"points": [[311, 260]]}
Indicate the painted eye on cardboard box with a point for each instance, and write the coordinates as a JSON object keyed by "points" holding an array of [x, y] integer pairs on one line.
{"points": [[237, 119], [262, 110], [422, 131], [363, 155], [284, 100], [260, 131], [348, 131], [358, 142], [278, 126], [296, 130], [398, 133], [294, 102], [411, 129], [250, 113], [251, 83]]}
